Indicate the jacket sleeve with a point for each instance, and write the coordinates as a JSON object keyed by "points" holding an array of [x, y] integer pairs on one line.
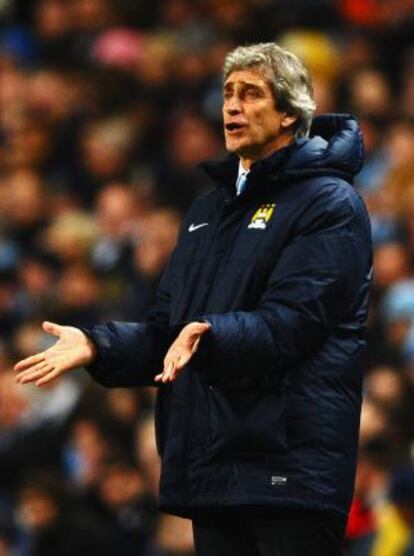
{"points": [[314, 283], [129, 353]]}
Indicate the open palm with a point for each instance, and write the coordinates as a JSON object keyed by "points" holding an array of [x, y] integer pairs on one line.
{"points": [[73, 349], [182, 350]]}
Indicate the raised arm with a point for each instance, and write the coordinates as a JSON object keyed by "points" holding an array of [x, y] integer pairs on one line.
{"points": [[114, 353]]}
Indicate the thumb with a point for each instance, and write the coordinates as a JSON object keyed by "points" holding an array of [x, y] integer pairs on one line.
{"points": [[52, 328], [201, 327]]}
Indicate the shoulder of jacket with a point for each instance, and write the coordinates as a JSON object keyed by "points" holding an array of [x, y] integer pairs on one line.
{"points": [[332, 201], [204, 200], [336, 192]]}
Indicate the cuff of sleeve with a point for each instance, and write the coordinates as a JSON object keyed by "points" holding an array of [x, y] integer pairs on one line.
{"points": [[102, 362]]}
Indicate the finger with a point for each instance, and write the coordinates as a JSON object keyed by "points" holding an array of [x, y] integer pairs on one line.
{"points": [[29, 361], [170, 371], [168, 361], [159, 377], [43, 364], [173, 375], [52, 328], [195, 345], [36, 376], [49, 377], [197, 328], [179, 365], [25, 376], [174, 367], [167, 372]]}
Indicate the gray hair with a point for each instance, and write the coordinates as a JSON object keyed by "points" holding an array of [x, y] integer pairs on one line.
{"points": [[287, 76]]}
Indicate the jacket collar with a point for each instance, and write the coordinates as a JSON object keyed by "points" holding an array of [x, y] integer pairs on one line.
{"points": [[224, 172]]}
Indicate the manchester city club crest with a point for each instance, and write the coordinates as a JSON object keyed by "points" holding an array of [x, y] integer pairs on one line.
{"points": [[261, 217]]}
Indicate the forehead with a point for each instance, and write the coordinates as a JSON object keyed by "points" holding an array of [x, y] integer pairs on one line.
{"points": [[247, 77]]}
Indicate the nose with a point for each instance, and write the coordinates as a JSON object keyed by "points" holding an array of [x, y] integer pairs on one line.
{"points": [[232, 105]]}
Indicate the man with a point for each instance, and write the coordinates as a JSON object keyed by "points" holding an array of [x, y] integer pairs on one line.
{"points": [[258, 332]]}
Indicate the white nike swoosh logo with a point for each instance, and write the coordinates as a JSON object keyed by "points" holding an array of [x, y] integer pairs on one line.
{"points": [[194, 227]]}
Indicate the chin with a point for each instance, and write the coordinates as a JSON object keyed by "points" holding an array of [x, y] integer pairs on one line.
{"points": [[236, 148]]}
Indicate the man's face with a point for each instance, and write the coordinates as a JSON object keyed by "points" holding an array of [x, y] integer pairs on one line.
{"points": [[253, 127]]}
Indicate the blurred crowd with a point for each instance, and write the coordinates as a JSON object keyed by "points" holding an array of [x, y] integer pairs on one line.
{"points": [[106, 107]]}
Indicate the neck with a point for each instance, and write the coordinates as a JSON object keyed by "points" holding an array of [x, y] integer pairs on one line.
{"points": [[280, 142]]}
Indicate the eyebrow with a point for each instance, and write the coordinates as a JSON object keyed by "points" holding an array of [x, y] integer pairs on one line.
{"points": [[230, 84]]}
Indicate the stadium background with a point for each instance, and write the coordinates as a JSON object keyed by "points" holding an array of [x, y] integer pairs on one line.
{"points": [[105, 108]]}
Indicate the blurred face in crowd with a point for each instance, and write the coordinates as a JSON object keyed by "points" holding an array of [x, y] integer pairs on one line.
{"points": [[78, 287], [253, 126], [37, 509], [192, 140], [53, 19], [121, 485], [401, 143], [370, 93], [385, 385], [90, 448], [37, 277], [71, 236], [52, 95], [157, 240], [14, 402], [123, 405], [28, 147], [106, 145], [229, 14], [373, 421], [390, 264], [22, 199], [91, 14], [115, 210]]}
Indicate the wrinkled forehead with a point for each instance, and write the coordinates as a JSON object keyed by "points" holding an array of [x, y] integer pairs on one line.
{"points": [[249, 76]]}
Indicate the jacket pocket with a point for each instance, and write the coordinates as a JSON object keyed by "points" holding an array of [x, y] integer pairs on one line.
{"points": [[247, 421]]}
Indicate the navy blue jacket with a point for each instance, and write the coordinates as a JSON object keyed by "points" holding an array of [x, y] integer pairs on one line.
{"points": [[267, 412]]}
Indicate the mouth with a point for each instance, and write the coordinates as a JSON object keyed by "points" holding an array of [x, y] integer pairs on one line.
{"points": [[233, 127]]}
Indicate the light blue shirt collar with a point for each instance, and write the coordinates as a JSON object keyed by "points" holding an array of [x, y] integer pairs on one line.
{"points": [[241, 178]]}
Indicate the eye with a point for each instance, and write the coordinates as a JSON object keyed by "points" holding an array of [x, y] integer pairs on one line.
{"points": [[252, 93], [227, 95]]}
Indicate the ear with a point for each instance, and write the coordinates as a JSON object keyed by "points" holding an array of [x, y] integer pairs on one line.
{"points": [[288, 120]]}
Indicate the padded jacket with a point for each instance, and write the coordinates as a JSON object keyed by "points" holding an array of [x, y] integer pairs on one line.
{"points": [[267, 412]]}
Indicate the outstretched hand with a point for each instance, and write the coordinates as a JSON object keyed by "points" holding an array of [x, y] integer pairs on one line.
{"points": [[182, 350], [73, 349]]}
